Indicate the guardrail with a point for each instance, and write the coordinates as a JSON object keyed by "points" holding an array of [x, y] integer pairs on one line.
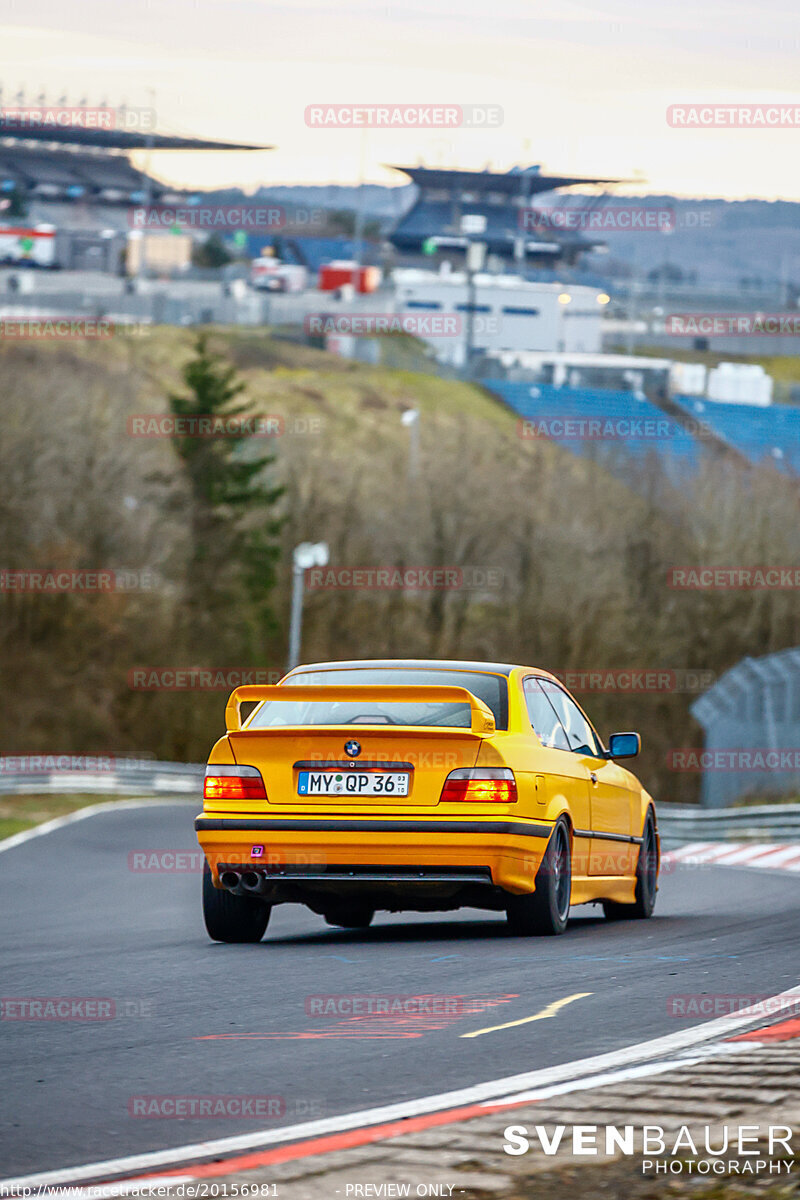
{"points": [[88, 774], [105, 774], [679, 824]]}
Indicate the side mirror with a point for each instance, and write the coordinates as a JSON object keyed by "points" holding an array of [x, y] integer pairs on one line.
{"points": [[624, 745]]}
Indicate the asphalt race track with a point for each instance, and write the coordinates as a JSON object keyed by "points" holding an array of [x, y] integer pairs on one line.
{"points": [[78, 922]]}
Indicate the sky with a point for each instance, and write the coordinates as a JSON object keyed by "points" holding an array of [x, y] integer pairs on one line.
{"points": [[584, 87]]}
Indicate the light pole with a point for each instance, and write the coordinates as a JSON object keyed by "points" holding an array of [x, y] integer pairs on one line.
{"points": [[475, 260], [358, 227], [307, 554], [410, 418]]}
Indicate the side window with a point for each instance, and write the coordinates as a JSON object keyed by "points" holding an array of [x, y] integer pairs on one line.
{"points": [[579, 732], [543, 718]]}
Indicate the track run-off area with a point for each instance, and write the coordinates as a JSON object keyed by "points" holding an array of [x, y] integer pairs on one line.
{"points": [[287, 1038]]}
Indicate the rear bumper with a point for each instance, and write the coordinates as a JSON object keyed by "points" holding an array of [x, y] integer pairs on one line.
{"points": [[406, 853]]}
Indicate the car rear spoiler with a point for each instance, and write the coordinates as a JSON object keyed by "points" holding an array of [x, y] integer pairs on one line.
{"points": [[482, 720]]}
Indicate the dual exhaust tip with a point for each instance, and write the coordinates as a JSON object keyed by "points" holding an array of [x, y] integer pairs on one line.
{"points": [[248, 881]]}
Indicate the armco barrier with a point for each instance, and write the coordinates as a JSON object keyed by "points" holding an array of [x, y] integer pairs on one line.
{"points": [[682, 823], [92, 774], [678, 824]]}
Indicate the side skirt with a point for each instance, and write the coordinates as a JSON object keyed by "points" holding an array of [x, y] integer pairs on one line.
{"points": [[586, 888]]}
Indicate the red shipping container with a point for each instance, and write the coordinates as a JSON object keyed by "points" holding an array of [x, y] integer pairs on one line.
{"points": [[336, 274]]}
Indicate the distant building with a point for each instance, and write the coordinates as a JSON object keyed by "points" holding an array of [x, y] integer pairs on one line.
{"points": [[498, 312], [499, 209]]}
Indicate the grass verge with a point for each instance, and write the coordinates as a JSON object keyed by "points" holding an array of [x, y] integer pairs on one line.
{"points": [[18, 813]]}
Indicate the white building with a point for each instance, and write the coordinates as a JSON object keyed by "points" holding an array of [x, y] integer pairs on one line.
{"points": [[501, 312], [740, 383]]}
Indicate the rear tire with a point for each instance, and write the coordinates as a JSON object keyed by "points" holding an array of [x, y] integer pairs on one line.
{"points": [[544, 912], [351, 917], [646, 881], [232, 918]]}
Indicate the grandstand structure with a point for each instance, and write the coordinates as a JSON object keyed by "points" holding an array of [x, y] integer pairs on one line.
{"points": [[311, 251], [77, 163], [625, 429], [762, 433], [66, 175], [454, 207], [618, 427]]}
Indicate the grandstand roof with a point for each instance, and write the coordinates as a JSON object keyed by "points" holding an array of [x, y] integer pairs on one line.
{"points": [[515, 183], [115, 139], [68, 173]]}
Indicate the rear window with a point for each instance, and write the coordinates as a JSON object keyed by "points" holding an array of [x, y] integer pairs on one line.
{"points": [[491, 689]]}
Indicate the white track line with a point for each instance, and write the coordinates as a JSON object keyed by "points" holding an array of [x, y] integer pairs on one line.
{"points": [[141, 1183], [80, 814], [576, 1072]]}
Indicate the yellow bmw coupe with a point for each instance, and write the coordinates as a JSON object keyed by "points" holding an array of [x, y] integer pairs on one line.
{"points": [[425, 786]]}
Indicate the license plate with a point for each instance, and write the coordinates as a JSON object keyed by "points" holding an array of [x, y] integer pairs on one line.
{"points": [[352, 783]]}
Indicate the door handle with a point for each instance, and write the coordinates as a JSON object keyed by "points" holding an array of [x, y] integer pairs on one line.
{"points": [[593, 777]]}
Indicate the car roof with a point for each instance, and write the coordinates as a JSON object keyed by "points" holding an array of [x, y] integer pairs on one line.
{"points": [[419, 664]]}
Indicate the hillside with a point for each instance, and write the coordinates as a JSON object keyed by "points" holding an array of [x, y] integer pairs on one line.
{"points": [[560, 564]]}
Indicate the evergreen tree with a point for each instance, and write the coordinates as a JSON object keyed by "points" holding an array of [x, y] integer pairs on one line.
{"points": [[233, 520]]}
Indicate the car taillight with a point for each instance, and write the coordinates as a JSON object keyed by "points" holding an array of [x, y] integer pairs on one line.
{"points": [[233, 783], [480, 785]]}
